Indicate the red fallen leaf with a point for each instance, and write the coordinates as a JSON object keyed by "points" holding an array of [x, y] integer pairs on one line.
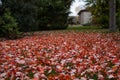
{"points": [[2, 61], [93, 49], [7, 57], [40, 69], [51, 77], [67, 77], [115, 60], [6, 67], [12, 62], [35, 79]]}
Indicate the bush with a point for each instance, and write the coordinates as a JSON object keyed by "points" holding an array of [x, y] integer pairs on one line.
{"points": [[8, 27], [102, 21]]}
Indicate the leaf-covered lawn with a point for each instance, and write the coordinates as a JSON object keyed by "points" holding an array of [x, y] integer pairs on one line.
{"points": [[61, 56]]}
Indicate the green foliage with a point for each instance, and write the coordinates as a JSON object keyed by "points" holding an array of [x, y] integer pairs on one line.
{"points": [[24, 11], [30, 74], [118, 15], [104, 21], [52, 72], [118, 22], [100, 10], [39, 14], [8, 27], [53, 15]]}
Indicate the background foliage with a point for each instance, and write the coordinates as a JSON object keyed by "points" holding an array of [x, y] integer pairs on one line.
{"points": [[100, 11], [8, 26], [39, 14]]}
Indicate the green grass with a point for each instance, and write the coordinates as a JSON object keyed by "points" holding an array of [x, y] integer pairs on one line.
{"points": [[83, 28], [87, 28], [90, 28]]}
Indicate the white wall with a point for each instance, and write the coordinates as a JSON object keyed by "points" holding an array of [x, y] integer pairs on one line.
{"points": [[85, 18]]}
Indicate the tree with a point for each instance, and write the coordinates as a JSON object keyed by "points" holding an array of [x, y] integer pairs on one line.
{"points": [[24, 11], [8, 26], [54, 14], [112, 19], [104, 13], [39, 14]]}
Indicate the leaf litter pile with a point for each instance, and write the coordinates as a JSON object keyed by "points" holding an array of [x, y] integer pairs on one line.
{"points": [[61, 56]]}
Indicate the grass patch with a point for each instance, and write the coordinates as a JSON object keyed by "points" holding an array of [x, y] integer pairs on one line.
{"points": [[83, 28], [88, 28]]}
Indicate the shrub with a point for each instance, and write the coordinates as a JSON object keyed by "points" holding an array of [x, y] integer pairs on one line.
{"points": [[8, 27], [101, 20]]}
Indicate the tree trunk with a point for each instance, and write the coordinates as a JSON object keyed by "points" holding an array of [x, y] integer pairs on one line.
{"points": [[112, 19], [0, 3]]}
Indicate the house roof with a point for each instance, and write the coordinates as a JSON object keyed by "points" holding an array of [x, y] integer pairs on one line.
{"points": [[84, 10]]}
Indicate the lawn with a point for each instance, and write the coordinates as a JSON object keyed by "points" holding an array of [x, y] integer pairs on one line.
{"points": [[61, 55], [87, 28]]}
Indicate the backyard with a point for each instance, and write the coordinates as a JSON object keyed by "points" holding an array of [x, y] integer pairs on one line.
{"points": [[72, 54], [59, 39]]}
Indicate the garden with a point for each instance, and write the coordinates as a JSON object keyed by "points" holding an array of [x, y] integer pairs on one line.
{"points": [[37, 43]]}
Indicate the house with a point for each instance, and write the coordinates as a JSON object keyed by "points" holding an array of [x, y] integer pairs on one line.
{"points": [[84, 17]]}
